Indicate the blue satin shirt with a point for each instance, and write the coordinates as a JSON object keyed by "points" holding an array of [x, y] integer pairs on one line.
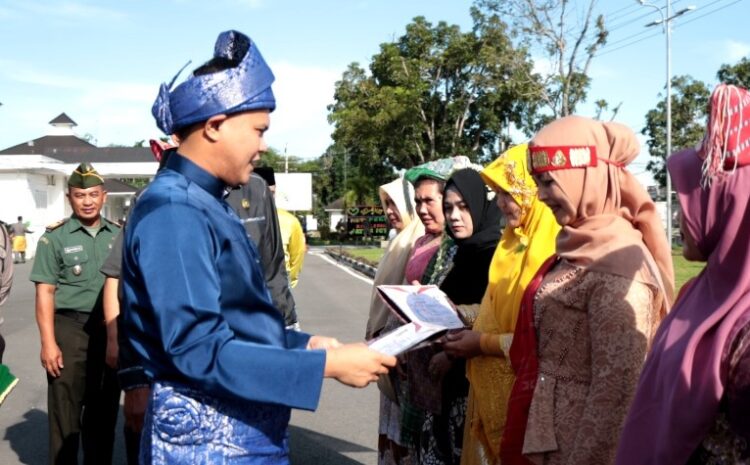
{"points": [[196, 306]]}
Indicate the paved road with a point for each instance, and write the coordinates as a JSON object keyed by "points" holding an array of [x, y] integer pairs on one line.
{"points": [[331, 300]]}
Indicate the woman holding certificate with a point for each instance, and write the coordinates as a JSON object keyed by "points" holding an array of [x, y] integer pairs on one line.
{"points": [[473, 222], [428, 250], [397, 198], [527, 241], [585, 327]]}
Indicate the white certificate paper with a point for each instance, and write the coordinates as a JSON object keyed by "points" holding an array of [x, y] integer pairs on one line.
{"points": [[403, 338], [427, 310]]}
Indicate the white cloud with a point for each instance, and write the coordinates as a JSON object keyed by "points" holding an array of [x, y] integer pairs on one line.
{"points": [[599, 71], [83, 11], [543, 66], [300, 120], [123, 123], [112, 111], [111, 92], [120, 111], [253, 4], [735, 50], [67, 10], [90, 89]]}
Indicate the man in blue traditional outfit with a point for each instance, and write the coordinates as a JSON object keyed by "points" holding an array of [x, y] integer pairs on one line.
{"points": [[196, 308]]}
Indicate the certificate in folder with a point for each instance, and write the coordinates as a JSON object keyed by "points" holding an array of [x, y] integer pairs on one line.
{"points": [[426, 311]]}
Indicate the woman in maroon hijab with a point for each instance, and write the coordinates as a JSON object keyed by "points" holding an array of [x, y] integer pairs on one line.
{"points": [[693, 400]]}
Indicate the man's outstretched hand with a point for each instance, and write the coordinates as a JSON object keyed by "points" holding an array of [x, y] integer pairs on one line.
{"points": [[356, 364]]}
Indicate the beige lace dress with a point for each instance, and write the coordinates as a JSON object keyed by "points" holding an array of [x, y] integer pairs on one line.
{"points": [[593, 330]]}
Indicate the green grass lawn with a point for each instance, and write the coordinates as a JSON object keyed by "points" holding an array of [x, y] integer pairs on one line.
{"points": [[683, 269], [369, 253]]}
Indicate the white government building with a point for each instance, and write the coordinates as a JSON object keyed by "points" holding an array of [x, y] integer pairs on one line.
{"points": [[34, 176]]}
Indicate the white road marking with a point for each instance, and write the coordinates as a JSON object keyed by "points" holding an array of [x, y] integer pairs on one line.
{"points": [[342, 267]]}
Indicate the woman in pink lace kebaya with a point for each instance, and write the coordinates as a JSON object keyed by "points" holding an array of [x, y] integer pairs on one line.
{"points": [[584, 331]]}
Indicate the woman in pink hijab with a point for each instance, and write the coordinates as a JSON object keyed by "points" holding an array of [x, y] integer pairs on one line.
{"points": [[588, 317], [693, 399]]}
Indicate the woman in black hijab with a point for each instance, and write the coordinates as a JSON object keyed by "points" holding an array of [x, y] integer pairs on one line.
{"points": [[473, 222], [466, 196]]}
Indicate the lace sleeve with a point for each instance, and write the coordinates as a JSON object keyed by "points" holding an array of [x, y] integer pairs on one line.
{"points": [[620, 315]]}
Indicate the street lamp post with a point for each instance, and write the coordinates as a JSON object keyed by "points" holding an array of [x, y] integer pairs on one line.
{"points": [[286, 159], [666, 22], [346, 212]]}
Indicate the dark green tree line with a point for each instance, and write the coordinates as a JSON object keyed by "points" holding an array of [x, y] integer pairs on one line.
{"points": [[434, 92]]}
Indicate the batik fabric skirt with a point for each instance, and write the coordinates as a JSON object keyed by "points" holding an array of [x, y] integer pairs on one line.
{"points": [[186, 426]]}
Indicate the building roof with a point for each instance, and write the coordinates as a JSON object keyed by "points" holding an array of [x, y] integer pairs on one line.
{"points": [[103, 155], [72, 149], [115, 186], [46, 144], [62, 118], [66, 147]]}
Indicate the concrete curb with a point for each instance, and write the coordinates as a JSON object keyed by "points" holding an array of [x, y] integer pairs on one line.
{"points": [[363, 268]]}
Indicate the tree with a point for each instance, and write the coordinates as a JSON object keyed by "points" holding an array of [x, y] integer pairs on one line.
{"points": [[738, 75], [689, 112], [567, 37], [434, 92], [689, 103], [602, 105], [334, 178], [88, 137]]}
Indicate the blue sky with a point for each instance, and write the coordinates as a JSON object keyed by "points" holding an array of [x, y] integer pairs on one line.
{"points": [[101, 61]]}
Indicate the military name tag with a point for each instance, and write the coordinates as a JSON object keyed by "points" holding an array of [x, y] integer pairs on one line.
{"points": [[73, 249]]}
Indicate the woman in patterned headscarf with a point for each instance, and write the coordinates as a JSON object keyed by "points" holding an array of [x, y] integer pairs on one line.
{"points": [[473, 222], [430, 255], [527, 241], [588, 317]]}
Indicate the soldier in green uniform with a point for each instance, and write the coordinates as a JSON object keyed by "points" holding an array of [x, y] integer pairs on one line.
{"points": [[82, 393]]}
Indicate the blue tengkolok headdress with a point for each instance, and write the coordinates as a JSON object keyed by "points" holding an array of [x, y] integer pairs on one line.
{"points": [[244, 87]]}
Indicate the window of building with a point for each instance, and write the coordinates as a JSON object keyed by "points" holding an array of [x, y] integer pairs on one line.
{"points": [[40, 199]]}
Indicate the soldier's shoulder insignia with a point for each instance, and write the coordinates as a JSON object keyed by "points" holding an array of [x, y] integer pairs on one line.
{"points": [[44, 240], [56, 224], [113, 223]]}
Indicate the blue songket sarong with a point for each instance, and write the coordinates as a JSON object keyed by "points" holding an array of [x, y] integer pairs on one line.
{"points": [[185, 426]]}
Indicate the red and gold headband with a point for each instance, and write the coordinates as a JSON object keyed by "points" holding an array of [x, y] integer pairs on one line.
{"points": [[549, 158]]}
